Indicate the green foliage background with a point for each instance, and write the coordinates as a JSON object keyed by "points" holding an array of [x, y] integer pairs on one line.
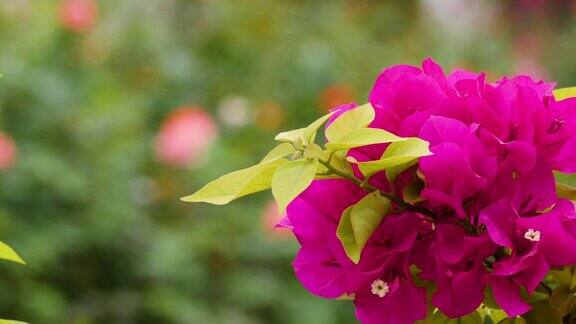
{"points": [[98, 219]]}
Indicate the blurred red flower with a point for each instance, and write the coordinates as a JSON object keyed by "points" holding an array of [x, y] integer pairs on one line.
{"points": [[185, 137], [7, 152], [78, 15]]}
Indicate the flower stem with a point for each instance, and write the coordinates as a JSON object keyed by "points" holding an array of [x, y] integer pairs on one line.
{"points": [[429, 215]]}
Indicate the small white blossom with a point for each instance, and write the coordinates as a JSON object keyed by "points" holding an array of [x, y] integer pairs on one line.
{"points": [[532, 235], [380, 288]]}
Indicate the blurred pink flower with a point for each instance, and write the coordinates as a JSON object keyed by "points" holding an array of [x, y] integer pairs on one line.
{"points": [[185, 137], [7, 152], [78, 15], [271, 222]]}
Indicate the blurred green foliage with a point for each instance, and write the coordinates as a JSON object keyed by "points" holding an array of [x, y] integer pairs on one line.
{"points": [[98, 219]]}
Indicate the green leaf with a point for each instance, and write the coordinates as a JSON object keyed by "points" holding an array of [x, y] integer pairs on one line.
{"points": [[561, 94], [565, 191], [398, 155], [3, 321], [237, 184], [563, 299], [543, 312], [359, 222], [7, 253], [352, 119], [338, 161], [291, 179], [362, 137], [280, 151]]}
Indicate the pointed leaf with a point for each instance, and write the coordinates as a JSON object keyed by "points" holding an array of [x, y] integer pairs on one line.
{"points": [[359, 222], [561, 94], [291, 179], [237, 184], [310, 131], [399, 155], [362, 137], [565, 191], [280, 151], [352, 119], [7, 253], [290, 136]]}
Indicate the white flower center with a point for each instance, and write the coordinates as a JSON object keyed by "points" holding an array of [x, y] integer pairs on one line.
{"points": [[380, 288], [532, 235]]}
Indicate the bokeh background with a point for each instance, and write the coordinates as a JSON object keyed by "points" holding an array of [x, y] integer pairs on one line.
{"points": [[110, 110]]}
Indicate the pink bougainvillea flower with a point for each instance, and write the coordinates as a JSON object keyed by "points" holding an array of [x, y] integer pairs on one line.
{"points": [[7, 152], [78, 15], [493, 215], [185, 137]]}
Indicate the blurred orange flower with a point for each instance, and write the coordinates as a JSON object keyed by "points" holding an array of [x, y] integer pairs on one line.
{"points": [[185, 137], [78, 15], [335, 95]]}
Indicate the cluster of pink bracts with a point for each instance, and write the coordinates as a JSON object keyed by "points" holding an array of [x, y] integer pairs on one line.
{"points": [[495, 220]]}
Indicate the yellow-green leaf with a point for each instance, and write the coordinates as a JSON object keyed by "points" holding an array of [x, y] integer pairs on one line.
{"points": [[291, 179], [313, 151], [359, 222], [398, 155], [565, 191], [362, 137], [3, 321], [280, 151], [350, 120], [290, 136], [237, 184], [561, 94], [7, 253], [310, 131], [302, 136]]}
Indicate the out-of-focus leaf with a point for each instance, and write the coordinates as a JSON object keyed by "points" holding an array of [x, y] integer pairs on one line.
{"points": [[562, 277], [359, 222], [563, 93], [3, 321], [543, 312], [291, 179], [565, 191], [563, 299], [437, 317], [352, 119], [237, 184], [279, 152], [362, 137], [7, 253]]}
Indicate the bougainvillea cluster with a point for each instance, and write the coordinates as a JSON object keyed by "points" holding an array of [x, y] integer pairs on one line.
{"points": [[435, 200], [494, 219]]}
